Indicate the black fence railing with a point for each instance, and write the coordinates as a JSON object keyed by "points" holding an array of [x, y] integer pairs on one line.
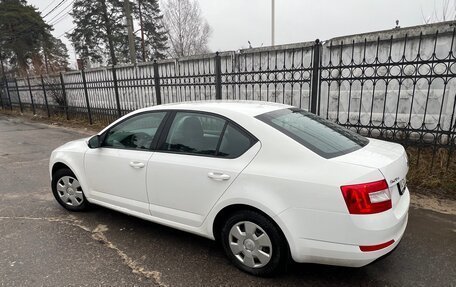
{"points": [[397, 85]]}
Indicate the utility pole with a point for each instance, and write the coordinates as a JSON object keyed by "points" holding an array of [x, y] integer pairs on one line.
{"points": [[272, 21], [131, 36], [46, 62], [3, 66], [75, 57], [143, 45]]}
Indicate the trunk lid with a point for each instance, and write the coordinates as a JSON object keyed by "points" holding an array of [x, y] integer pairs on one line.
{"points": [[389, 158]]}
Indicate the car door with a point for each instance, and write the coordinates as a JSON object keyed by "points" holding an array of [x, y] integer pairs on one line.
{"points": [[196, 161], [116, 171]]}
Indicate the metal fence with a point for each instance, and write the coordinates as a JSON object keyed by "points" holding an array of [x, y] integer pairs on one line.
{"points": [[397, 85]]}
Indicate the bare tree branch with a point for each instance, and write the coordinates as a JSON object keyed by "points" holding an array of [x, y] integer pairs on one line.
{"points": [[188, 31], [446, 12]]}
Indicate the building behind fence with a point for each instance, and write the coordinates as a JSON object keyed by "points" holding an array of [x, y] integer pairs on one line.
{"points": [[397, 84]]}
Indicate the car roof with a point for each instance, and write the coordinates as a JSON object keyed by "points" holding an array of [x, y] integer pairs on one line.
{"points": [[250, 108]]}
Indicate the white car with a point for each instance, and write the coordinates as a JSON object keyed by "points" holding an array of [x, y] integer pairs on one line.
{"points": [[268, 181]]}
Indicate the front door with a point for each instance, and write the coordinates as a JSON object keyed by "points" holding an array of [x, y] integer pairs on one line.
{"points": [[116, 171]]}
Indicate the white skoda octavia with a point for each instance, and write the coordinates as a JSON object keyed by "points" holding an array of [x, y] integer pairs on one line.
{"points": [[268, 181]]}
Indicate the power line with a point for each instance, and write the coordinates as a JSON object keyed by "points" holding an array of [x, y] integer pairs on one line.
{"points": [[53, 9], [63, 34], [48, 5], [58, 14], [60, 19]]}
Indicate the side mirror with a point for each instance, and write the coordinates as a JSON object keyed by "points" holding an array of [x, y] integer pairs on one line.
{"points": [[94, 142]]}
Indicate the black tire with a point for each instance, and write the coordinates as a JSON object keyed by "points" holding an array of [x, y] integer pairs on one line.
{"points": [[56, 177], [279, 255]]}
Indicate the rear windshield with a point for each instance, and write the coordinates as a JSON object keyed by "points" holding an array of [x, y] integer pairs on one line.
{"points": [[323, 137]]}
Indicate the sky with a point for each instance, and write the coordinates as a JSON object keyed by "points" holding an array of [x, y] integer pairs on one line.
{"points": [[235, 22]]}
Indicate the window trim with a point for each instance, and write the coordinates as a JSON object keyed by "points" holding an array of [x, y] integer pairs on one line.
{"points": [[222, 135], [170, 119], [154, 140]]}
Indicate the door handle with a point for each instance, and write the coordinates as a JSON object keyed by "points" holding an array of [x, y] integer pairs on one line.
{"points": [[137, 164], [218, 176]]}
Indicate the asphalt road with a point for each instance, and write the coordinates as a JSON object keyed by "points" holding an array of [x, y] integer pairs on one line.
{"points": [[41, 244]]}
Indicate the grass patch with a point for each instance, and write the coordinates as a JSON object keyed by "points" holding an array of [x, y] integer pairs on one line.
{"points": [[432, 172], [58, 119]]}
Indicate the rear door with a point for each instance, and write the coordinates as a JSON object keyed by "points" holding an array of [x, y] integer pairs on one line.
{"points": [[197, 160]]}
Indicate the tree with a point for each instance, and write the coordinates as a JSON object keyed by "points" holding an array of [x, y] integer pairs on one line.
{"points": [[152, 21], [54, 90], [55, 54], [22, 32], [188, 31], [100, 31], [446, 12], [52, 57]]}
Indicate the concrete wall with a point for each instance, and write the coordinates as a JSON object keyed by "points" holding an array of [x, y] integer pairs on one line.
{"points": [[400, 77], [395, 78]]}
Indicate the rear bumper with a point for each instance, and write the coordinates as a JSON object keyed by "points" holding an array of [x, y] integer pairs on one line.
{"points": [[330, 253], [334, 238]]}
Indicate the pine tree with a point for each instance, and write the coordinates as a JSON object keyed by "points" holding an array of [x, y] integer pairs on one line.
{"points": [[55, 54], [156, 38], [22, 32], [100, 32]]}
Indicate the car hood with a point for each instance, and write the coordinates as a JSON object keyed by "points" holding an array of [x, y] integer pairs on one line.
{"points": [[76, 145], [389, 158]]}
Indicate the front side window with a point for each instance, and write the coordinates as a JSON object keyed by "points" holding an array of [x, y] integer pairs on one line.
{"points": [[136, 132], [204, 134], [323, 137]]}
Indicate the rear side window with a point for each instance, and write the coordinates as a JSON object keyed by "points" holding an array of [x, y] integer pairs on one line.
{"points": [[234, 142], [205, 134], [194, 133], [323, 137]]}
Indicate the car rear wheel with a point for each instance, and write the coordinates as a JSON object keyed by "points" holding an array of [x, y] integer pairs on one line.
{"points": [[68, 191], [254, 243]]}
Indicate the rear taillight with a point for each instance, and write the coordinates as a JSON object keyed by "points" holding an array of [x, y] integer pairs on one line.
{"points": [[367, 198]]}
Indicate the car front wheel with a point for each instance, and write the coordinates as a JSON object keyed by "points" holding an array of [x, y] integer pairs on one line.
{"points": [[254, 243], [68, 191]]}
